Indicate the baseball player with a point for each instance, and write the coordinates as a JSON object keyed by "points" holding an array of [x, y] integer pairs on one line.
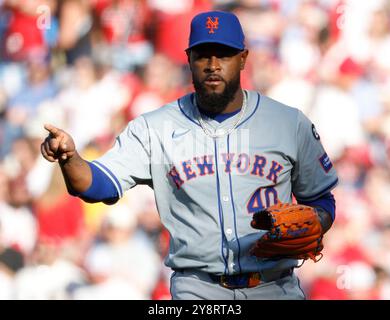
{"points": [[224, 164]]}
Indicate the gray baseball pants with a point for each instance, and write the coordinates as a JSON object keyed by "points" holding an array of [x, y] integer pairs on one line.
{"points": [[197, 285]]}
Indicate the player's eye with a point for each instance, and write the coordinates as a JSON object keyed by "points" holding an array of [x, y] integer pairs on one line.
{"points": [[218, 55], [201, 56]]}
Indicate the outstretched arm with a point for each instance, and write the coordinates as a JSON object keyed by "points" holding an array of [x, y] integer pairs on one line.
{"points": [[59, 146]]}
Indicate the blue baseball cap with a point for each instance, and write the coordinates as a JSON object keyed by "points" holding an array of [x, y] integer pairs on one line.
{"points": [[216, 27]]}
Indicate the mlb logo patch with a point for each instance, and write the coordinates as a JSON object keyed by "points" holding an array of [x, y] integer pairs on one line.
{"points": [[325, 162]]}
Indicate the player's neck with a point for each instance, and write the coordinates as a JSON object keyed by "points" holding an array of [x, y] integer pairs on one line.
{"points": [[236, 103], [231, 107]]}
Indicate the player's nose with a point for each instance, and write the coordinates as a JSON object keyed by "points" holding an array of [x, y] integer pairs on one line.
{"points": [[213, 63]]}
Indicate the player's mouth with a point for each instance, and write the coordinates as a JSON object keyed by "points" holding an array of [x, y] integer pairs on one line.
{"points": [[213, 81]]}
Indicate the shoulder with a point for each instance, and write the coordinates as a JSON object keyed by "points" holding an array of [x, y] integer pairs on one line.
{"points": [[169, 111], [276, 113], [280, 109]]}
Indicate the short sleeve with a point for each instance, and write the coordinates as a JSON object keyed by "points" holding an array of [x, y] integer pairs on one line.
{"points": [[127, 163], [313, 174]]}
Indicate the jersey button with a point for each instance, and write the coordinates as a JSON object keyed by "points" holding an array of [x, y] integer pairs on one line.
{"points": [[229, 231], [225, 198]]}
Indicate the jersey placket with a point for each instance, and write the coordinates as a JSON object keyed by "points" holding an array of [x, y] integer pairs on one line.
{"points": [[230, 241], [228, 231]]}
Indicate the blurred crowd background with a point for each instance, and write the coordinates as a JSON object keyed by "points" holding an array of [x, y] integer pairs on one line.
{"points": [[90, 66]]}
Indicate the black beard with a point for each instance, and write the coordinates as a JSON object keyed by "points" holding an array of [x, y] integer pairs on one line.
{"points": [[216, 102]]}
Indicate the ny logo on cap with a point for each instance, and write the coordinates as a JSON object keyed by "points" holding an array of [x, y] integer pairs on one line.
{"points": [[211, 25]]}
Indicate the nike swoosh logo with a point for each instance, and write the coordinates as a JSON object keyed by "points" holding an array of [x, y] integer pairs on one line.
{"points": [[178, 133]]}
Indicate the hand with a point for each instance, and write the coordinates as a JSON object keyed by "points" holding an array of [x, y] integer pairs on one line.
{"points": [[294, 231], [58, 145]]}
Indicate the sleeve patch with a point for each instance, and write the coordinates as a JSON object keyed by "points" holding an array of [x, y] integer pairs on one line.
{"points": [[315, 133], [325, 162]]}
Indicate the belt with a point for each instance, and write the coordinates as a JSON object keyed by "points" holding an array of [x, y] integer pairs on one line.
{"points": [[248, 280]]}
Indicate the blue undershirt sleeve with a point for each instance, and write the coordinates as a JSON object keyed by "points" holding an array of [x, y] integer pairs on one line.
{"points": [[326, 202], [102, 189]]}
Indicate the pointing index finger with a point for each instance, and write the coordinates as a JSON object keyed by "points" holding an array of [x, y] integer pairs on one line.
{"points": [[52, 129]]}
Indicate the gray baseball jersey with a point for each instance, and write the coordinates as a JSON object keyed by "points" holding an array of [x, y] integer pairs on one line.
{"points": [[207, 188]]}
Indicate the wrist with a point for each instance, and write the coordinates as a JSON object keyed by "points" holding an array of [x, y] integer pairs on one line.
{"points": [[325, 219], [70, 160]]}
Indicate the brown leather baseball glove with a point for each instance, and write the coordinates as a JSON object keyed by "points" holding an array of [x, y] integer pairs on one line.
{"points": [[294, 231]]}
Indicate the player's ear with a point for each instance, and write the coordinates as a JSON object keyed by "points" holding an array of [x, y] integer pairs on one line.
{"points": [[244, 55], [188, 53]]}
